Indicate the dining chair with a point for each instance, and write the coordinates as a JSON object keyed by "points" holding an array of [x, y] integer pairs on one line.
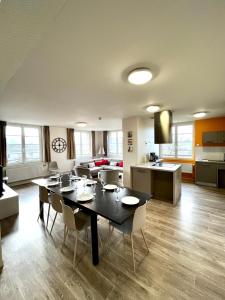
{"points": [[76, 222], [131, 226], [109, 176], [53, 167], [57, 206], [80, 171], [44, 197]]}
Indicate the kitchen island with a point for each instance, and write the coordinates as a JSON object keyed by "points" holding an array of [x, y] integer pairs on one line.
{"points": [[161, 180]]}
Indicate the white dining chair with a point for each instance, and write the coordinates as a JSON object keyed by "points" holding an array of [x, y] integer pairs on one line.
{"points": [[44, 197], [76, 222], [131, 226], [57, 206]]}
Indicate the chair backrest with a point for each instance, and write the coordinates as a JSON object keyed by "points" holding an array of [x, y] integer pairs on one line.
{"points": [[68, 216], [109, 176], [56, 204], [43, 194], [80, 171], [53, 165], [139, 218]]}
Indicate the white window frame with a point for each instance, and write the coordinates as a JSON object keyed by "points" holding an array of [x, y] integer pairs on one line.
{"points": [[176, 125], [24, 161], [117, 155], [90, 139]]}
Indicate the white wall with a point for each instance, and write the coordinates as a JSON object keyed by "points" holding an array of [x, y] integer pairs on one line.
{"points": [[61, 158], [136, 125]]}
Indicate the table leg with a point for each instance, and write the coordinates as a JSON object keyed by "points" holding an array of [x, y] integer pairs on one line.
{"points": [[94, 239], [41, 207]]}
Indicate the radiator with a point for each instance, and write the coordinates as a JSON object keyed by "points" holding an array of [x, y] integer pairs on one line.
{"points": [[24, 172]]}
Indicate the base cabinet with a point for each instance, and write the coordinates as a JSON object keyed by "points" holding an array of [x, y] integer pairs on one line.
{"points": [[206, 173]]}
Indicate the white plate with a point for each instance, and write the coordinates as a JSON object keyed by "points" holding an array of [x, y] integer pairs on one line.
{"points": [[54, 177], [67, 189], [53, 183], [90, 182], [110, 187], [130, 200], [84, 197]]}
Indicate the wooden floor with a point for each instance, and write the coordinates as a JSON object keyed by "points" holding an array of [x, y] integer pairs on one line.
{"points": [[186, 259]]}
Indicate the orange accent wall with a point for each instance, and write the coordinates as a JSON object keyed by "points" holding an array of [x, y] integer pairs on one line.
{"points": [[213, 124]]}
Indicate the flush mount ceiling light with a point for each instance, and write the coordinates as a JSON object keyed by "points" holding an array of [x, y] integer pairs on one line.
{"points": [[140, 76], [153, 108], [81, 124], [199, 114]]}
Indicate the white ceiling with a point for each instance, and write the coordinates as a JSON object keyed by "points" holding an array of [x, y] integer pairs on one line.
{"points": [[66, 61]]}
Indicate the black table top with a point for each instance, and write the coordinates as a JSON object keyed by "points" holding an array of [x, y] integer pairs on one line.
{"points": [[104, 203]]}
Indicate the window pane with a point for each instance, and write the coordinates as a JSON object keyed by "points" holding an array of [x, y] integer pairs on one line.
{"points": [[14, 144], [83, 143], [115, 143], [168, 150], [184, 141], [32, 144]]}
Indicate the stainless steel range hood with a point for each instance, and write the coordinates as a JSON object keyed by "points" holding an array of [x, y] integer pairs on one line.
{"points": [[163, 127]]}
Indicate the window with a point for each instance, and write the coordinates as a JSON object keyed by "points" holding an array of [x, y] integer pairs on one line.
{"points": [[115, 143], [23, 144], [83, 143], [182, 145]]}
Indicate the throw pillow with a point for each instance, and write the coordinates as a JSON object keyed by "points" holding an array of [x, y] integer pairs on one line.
{"points": [[113, 163], [91, 165]]}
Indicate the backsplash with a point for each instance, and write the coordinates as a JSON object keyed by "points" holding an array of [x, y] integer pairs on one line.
{"points": [[216, 153]]}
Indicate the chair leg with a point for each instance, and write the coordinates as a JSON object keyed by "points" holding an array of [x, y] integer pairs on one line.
{"points": [[132, 246], [142, 232], [75, 251], [65, 235], [40, 212], [53, 222], [48, 215]]}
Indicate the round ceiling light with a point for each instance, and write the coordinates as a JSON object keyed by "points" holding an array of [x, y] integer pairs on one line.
{"points": [[81, 124], [199, 114], [153, 108], [140, 76]]}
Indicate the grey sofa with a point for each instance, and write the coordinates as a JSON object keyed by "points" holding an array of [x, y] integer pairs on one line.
{"points": [[94, 169]]}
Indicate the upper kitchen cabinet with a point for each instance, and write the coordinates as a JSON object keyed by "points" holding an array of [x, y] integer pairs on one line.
{"points": [[213, 138], [210, 132]]}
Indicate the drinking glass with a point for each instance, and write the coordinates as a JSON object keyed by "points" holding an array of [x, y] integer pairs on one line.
{"points": [[117, 190], [84, 177]]}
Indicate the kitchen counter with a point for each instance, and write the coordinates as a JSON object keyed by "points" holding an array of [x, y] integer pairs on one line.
{"points": [[162, 181], [168, 167], [211, 161]]}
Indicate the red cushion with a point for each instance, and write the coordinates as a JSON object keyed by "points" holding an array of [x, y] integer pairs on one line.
{"points": [[120, 164], [98, 163], [105, 162]]}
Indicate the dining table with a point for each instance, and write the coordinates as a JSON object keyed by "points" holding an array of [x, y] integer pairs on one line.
{"points": [[104, 203]]}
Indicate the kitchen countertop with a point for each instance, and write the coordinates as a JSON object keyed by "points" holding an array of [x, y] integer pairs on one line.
{"points": [[168, 167], [211, 161]]}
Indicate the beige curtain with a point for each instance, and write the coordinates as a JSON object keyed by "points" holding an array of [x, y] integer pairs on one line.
{"points": [[47, 149], [70, 144], [93, 143], [3, 158], [105, 138]]}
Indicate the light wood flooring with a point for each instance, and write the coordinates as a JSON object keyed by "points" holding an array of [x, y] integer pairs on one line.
{"points": [[186, 259]]}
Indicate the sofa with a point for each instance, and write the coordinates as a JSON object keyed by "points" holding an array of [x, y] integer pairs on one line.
{"points": [[95, 165]]}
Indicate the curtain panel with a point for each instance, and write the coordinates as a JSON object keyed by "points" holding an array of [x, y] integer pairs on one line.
{"points": [[105, 142], [3, 158], [93, 143], [70, 143], [47, 147]]}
